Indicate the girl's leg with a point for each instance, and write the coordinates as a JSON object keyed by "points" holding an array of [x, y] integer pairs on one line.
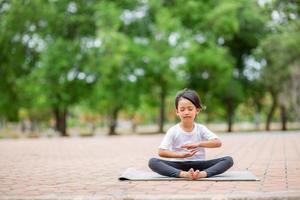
{"points": [[169, 168], [213, 167]]}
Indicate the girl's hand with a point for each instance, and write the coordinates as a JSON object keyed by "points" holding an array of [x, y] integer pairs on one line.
{"points": [[190, 146], [189, 153]]}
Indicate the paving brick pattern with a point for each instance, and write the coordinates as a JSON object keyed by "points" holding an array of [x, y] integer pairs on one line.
{"points": [[88, 168]]}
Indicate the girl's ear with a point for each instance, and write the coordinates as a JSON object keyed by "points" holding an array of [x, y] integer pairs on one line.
{"points": [[198, 110]]}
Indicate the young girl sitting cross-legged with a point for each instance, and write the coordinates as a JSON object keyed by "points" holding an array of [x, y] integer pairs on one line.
{"points": [[184, 144]]}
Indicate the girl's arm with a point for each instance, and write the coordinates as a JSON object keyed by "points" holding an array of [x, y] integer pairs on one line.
{"points": [[205, 144], [171, 154], [210, 143]]}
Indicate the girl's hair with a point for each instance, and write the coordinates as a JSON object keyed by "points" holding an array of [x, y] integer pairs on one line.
{"points": [[190, 95]]}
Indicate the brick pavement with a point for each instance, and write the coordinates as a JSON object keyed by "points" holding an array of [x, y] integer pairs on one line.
{"points": [[88, 168]]}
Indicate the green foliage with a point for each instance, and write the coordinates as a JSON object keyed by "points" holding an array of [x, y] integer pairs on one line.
{"points": [[17, 26], [108, 16], [132, 56], [281, 66], [221, 25], [61, 72]]}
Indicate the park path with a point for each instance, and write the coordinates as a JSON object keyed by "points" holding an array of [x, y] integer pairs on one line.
{"points": [[88, 168]]}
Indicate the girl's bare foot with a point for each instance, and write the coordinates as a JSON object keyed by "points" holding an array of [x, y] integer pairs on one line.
{"points": [[197, 174], [187, 174]]}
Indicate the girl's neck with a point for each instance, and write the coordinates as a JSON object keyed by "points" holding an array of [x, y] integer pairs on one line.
{"points": [[187, 127]]}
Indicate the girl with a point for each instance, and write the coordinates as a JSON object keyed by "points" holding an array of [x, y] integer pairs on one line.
{"points": [[184, 144]]}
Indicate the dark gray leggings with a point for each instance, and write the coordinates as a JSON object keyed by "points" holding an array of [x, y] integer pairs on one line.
{"points": [[173, 168]]}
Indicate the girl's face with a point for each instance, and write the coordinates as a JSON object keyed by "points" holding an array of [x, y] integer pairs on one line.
{"points": [[186, 110]]}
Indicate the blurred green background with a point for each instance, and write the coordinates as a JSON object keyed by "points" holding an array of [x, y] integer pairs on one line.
{"points": [[89, 67]]}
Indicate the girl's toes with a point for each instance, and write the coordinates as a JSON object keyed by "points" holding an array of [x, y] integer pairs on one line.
{"points": [[196, 175], [191, 170]]}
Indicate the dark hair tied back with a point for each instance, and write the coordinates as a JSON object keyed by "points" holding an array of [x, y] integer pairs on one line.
{"points": [[190, 95]]}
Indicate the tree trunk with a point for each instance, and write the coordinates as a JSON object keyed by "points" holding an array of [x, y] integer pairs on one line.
{"points": [[92, 127], [161, 118], [32, 125], [230, 115], [283, 118], [61, 120], [133, 124], [56, 115], [257, 116], [23, 126], [272, 110], [113, 121]]}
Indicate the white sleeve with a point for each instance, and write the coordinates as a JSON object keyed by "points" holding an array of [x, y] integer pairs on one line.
{"points": [[167, 141], [208, 134]]}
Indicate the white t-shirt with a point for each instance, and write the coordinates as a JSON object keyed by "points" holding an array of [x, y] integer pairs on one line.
{"points": [[176, 137]]}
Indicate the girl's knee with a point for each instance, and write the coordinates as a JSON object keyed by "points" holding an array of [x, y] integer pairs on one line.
{"points": [[229, 161], [152, 162]]}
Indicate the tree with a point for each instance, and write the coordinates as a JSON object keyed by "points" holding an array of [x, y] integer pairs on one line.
{"points": [[248, 27], [281, 53], [224, 26], [163, 57], [63, 79], [210, 70], [116, 88], [61, 72], [136, 56], [281, 69], [20, 47]]}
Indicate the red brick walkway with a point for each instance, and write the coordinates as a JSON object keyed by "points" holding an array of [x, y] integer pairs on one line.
{"points": [[88, 168]]}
